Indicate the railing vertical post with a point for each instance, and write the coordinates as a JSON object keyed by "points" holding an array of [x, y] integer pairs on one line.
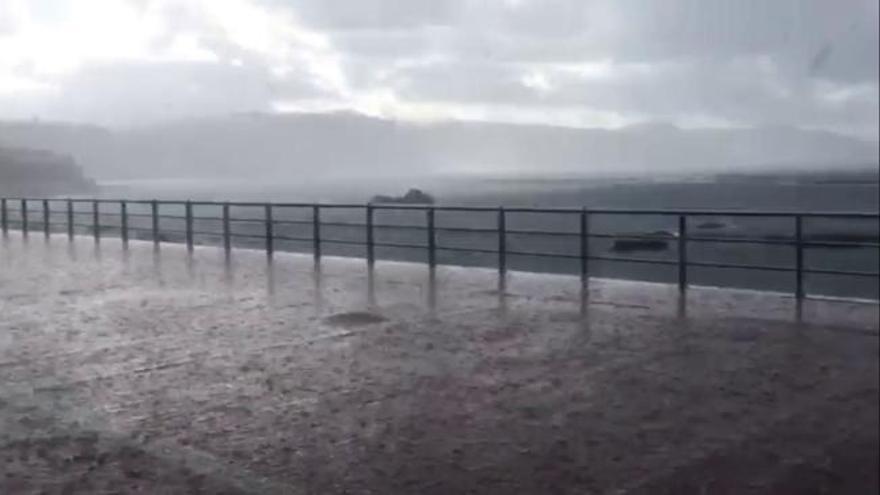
{"points": [[24, 217], [96, 219], [371, 255], [46, 217], [70, 219], [4, 223], [269, 235], [502, 241], [188, 214], [432, 239], [682, 253], [154, 209], [316, 231], [799, 256], [123, 219], [585, 245], [227, 235]]}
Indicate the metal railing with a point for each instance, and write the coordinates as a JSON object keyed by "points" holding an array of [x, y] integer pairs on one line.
{"points": [[144, 216]]}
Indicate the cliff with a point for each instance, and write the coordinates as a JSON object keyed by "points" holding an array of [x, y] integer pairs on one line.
{"points": [[30, 172]]}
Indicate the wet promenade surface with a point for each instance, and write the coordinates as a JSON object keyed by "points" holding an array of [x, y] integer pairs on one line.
{"points": [[162, 372]]}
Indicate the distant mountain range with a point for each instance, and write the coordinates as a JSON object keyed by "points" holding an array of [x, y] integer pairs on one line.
{"points": [[306, 146]]}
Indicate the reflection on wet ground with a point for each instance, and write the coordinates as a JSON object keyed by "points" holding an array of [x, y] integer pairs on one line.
{"points": [[173, 372]]}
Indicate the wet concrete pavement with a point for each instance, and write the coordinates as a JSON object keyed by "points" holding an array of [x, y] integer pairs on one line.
{"points": [[144, 371]]}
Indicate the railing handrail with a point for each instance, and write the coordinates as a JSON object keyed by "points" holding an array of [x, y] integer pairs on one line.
{"points": [[489, 209], [798, 240]]}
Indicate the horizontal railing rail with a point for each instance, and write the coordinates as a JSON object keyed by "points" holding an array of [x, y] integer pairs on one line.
{"points": [[265, 221]]}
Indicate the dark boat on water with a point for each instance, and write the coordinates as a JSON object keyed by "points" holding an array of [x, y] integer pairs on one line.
{"points": [[651, 241]]}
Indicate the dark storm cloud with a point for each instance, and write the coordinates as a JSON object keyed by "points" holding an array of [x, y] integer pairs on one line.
{"points": [[812, 63], [628, 30]]}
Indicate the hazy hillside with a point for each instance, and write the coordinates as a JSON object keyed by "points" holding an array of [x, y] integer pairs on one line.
{"points": [[311, 145], [39, 172]]}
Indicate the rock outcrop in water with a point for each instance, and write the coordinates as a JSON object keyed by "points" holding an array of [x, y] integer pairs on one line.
{"points": [[31, 172], [413, 197]]}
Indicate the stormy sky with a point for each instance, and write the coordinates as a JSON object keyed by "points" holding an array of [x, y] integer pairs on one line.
{"points": [[584, 63]]}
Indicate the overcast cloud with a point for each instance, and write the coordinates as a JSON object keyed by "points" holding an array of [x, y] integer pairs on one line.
{"points": [[602, 63]]}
